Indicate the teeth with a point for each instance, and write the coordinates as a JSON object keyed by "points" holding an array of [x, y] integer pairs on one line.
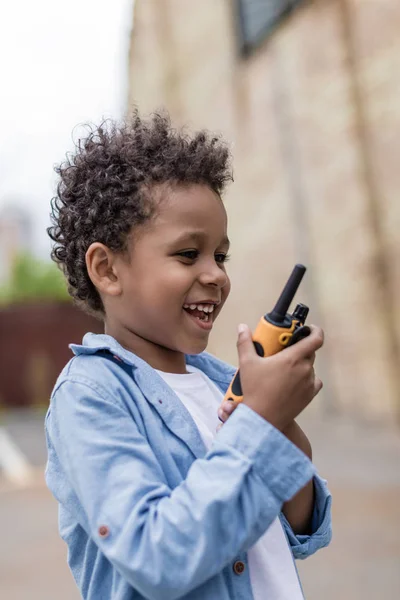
{"points": [[207, 308]]}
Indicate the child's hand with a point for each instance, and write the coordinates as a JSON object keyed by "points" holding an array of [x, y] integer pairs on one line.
{"points": [[279, 387], [225, 411]]}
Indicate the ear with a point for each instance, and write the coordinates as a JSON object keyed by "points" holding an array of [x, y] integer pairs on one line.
{"points": [[101, 267]]}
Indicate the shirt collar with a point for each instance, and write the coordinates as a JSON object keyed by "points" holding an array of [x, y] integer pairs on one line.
{"points": [[214, 368]]}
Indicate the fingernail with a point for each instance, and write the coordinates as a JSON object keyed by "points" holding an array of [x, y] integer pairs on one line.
{"points": [[228, 407], [241, 328]]}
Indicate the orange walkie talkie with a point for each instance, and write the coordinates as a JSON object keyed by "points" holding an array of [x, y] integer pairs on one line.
{"points": [[277, 329]]}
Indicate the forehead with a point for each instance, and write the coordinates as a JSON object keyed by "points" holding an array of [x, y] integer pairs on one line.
{"points": [[196, 210]]}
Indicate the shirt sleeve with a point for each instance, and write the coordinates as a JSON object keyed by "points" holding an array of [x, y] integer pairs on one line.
{"points": [[166, 542], [304, 546]]}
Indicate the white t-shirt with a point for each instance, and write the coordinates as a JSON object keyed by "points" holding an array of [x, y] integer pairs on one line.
{"points": [[271, 565]]}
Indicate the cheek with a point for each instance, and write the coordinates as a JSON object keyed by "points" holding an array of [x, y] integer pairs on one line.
{"points": [[159, 290], [226, 289]]}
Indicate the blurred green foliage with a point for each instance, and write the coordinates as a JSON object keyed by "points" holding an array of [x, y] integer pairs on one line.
{"points": [[34, 280]]}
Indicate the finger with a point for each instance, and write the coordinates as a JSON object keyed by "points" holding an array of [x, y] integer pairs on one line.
{"points": [[318, 385], [228, 406], [222, 415], [309, 345], [245, 346], [311, 358], [226, 410]]}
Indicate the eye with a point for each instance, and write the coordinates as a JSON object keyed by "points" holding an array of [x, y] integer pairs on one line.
{"points": [[222, 258], [190, 254]]}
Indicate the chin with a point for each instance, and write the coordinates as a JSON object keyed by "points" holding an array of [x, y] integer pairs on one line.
{"points": [[195, 347]]}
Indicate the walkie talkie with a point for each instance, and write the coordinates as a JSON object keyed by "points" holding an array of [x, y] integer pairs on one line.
{"points": [[278, 329]]}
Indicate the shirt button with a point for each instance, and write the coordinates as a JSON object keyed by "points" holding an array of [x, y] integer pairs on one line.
{"points": [[103, 531], [239, 567]]}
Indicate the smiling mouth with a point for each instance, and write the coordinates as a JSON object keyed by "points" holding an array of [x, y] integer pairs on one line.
{"points": [[200, 317], [199, 314]]}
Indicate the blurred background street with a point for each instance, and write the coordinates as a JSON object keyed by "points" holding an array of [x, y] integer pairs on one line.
{"points": [[307, 93]]}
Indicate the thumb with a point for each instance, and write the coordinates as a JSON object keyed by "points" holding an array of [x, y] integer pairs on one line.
{"points": [[245, 345]]}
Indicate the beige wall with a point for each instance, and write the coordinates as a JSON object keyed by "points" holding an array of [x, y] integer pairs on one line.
{"points": [[314, 121]]}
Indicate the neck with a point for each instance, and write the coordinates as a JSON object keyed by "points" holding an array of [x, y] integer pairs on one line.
{"points": [[158, 357]]}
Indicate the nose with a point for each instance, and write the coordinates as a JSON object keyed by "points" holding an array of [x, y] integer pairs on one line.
{"points": [[213, 274]]}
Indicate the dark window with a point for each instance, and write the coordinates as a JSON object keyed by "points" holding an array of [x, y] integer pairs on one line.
{"points": [[258, 18]]}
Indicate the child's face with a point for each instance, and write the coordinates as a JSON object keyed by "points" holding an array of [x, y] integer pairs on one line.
{"points": [[176, 259]]}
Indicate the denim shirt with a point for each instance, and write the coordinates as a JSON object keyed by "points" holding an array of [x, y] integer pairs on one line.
{"points": [[145, 510]]}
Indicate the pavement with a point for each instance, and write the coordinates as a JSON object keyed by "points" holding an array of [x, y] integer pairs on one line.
{"points": [[361, 462]]}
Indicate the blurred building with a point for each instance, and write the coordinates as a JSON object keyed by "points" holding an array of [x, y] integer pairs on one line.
{"points": [[15, 236], [307, 93]]}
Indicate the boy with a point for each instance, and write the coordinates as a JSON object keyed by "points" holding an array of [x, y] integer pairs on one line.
{"points": [[153, 503]]}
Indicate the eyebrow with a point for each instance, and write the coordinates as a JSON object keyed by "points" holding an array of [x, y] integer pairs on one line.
{"points": [[197, 236]]}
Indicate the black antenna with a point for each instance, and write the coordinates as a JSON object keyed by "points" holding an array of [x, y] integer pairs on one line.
{"points": [[278, 314]]}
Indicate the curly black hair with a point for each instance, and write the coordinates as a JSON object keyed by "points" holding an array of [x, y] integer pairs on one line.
{"points": [[104, 188]]}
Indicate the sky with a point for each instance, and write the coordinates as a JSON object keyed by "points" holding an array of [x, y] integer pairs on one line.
{"points": [[61, 64]]}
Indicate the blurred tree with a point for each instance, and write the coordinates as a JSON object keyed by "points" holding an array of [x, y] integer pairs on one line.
{"points": [[33, 280]]}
